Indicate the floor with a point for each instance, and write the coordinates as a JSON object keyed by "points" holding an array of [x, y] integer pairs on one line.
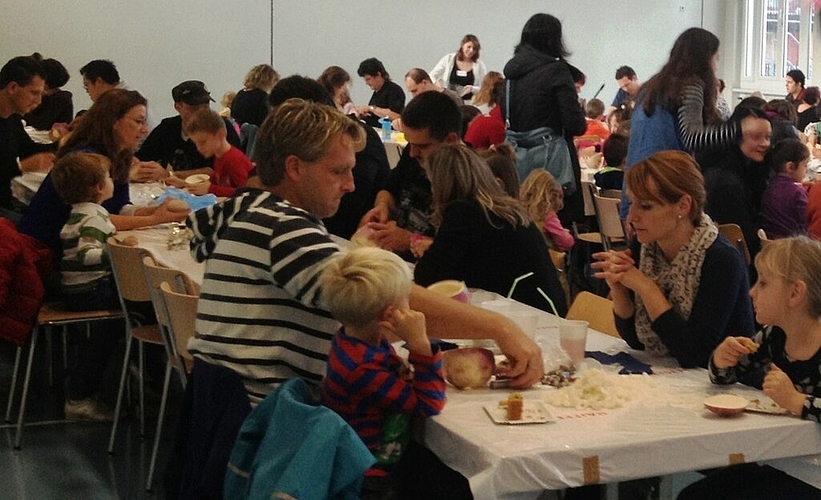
{"points": [[59, 459]]}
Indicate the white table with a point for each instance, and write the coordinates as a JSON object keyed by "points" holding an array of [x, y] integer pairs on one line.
{"points": [[639, 440], [155, 240]]}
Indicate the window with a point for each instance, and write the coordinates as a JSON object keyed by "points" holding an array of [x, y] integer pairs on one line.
{"points": [[778, 37]]}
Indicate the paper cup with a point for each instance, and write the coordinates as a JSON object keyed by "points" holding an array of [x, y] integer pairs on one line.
{"points": [[573, 339], [196, 179], [452, 288]]}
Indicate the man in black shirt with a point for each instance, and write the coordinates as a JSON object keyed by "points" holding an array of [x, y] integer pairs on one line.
{"points": [[388, 99], [21, 89], [168, 145]]}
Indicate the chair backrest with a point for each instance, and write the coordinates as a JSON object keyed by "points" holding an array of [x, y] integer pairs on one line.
{"points": [[597, 311], [588, 188], [736, 236], [155, 275], [394, 152], [610, 226], [610, 193], [763, 238], [181, 309], [127, 267]]}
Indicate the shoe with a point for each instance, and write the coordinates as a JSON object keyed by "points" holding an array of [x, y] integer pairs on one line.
{"points": [[87, 410]]}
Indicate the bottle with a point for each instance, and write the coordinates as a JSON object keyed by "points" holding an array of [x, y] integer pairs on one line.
{"points": [[386, 128]]}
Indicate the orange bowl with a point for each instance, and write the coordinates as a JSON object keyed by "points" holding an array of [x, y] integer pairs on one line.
{"points": [[725, 405]]}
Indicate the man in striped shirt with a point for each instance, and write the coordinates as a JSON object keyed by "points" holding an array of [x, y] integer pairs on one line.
{"points": [[261, 312]]}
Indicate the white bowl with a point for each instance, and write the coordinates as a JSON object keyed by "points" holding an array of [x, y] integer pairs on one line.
{"points": [[197, 178], [725, 405]]}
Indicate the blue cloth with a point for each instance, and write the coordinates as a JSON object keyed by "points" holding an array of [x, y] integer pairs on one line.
{"points": [[629, 364], [194, 201], [288, 445]]}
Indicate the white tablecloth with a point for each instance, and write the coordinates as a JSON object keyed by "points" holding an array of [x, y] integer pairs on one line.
{"points": [[643, 439], [155, 240]]}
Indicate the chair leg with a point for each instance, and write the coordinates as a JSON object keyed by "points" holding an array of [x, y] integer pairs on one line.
{"points": [[65, 348], [141, 358], [19, 434], [160, 419], [14, 382], [118, 406], [50, 354]]}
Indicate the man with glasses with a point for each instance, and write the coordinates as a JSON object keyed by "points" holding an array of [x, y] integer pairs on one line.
{"points": [[168, 145]]}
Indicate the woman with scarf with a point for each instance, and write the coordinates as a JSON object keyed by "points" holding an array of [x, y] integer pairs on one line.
{"points": [[681, 288]]}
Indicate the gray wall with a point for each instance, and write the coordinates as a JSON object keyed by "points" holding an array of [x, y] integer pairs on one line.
{"points": [[158, 43]]}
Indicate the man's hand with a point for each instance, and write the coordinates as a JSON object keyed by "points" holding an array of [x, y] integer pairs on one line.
{"points": [[40, 162]]}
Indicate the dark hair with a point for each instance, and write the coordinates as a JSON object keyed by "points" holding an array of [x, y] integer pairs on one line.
{"points": [[781, 109], [785, 151], [625, 71], [741, 112], [372, 66], [690, 62], [465, 39], [502, 162], [577, 75], [298, 86], [418, 75], [332, 78], [468, 113], [812, 96], [20, 70], [798, 76], [101, 68], [752, 101], [614, 150], [543, 32], [594, 109], [435, 112], [56, 74], [96, 130]]}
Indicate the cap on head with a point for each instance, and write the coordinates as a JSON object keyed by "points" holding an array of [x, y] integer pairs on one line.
{"points": [[191, 92]]}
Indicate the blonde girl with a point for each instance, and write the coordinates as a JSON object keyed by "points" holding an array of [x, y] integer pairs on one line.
{"points": [[542, 196]]}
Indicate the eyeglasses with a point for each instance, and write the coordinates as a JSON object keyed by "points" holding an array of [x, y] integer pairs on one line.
{"points": [[141, 123]]}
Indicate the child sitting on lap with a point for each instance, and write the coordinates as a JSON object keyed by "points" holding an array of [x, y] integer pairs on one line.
{"points": [[784, 361], [231, 167], [366, 382]]}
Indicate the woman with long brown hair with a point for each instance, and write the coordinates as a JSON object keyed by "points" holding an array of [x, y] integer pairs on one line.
{"points": [[461, 71], [484, 237], [113, 127]]}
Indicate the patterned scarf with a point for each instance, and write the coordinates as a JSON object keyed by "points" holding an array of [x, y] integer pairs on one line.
{"points": [[678, 280]]}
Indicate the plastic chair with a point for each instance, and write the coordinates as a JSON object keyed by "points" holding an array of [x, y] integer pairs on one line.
{"points": [[597, 311], [181, 310], [610, 226], [736, 236], [50, 315], [156, 275], [126, 262]]}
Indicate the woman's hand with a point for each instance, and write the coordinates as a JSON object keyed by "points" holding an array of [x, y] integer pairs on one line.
{"points": [[175, 181], [148, 171], [779, 387], [379, 213], [612, 267], [162, 214], [729, 351], [419, 245]]}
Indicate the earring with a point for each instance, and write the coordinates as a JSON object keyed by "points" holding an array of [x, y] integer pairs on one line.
{"points": [[680, 216]]}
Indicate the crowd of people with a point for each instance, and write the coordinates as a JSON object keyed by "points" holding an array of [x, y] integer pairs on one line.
{"points": [[479, 195]]}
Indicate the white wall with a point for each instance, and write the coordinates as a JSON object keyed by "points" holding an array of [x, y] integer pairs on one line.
{"points": [[158, 43]]}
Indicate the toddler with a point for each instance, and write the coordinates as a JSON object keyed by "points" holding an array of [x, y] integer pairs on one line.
{"points": [[615, 152], [784, 202], [542, 196], [367, 383]]}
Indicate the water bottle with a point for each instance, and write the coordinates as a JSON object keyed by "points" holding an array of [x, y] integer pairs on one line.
{"points": [[386, 128]]}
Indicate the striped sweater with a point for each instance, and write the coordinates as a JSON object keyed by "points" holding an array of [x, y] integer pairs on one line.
{"points": [[373, 390], [85, 257], [259, 311]]}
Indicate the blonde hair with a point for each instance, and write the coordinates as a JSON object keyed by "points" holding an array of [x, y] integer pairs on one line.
{"points": [[261, 76], [359, 285], [485, 94], [228, 99], [675, 174], [301, 128], [795, 259], [456, 173], [76, 176], [540, 194]]}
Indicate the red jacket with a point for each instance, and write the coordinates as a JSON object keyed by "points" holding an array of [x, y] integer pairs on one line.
{"points": [[23, 263]]}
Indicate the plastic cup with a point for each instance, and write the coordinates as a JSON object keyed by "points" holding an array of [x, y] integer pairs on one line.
{"points": [[573, 339], [452, 288], [501, 306], [526, 320]]}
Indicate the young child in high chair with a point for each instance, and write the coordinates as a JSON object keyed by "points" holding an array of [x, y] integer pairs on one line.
{"points": [[231, 167], [784, 202], [83, 181], [784, 360], [367, 383]]}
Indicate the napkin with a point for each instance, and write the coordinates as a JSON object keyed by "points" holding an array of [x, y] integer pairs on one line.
{"points": [[195, 202], [629, 364]]}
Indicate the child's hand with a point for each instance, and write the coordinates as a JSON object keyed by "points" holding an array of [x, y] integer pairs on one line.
{"points": [[779, 387], [730, 351], [409, 325]]}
